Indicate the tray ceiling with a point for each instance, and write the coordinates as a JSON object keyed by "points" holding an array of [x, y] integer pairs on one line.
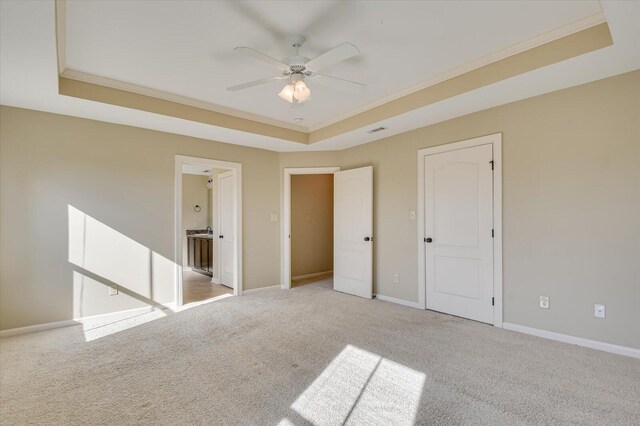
{"points": [[186, 49], [31, 55]]}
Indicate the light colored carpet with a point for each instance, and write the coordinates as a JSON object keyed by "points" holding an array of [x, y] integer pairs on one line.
{"points": [[299, 282], [311, 355]]}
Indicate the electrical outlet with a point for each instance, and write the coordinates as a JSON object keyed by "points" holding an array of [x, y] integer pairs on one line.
{"points": [[599, 311], [544, 302], [396, 278], [274, 217], [412, 215], [113, 290]]}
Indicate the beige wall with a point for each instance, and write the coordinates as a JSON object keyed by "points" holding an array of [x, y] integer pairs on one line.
{"points": [[121, 177], [571, 197], [311, 224], [571, 206], [194, 192], [571, 203]]}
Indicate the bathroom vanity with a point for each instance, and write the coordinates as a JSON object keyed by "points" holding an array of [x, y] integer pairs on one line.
{"points": [[200, 252]]}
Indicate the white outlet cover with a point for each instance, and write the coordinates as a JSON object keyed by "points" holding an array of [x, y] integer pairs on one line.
{"points": [[274, 217], [544, 302], [599, 311], [412, 215], [396, 278]]}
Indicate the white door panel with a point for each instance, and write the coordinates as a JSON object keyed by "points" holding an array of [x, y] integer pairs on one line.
{"points": [[456, 215], [226, 235], [353, 227], [459, 221]]}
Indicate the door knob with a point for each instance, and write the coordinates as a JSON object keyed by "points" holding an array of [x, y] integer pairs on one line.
{"points": [[367, 239], [220, 236], [428, 240]]}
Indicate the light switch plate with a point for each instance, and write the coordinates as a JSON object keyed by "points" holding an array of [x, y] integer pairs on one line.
{"points": [[412, 215], [274, 217], [599, 311]]}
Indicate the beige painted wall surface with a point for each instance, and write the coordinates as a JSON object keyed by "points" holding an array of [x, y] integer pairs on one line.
{"points": [[571, 203], [571, 197], [311, 224], [194, 192], [61, 173]]}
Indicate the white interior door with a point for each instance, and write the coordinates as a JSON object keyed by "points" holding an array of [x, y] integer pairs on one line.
{"points": [[352, 229], [458, 226], [226, 237]]}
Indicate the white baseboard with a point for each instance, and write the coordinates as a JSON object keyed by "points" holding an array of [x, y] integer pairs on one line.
{"points": [[261, 288], [107, 318], [112, 317], [398, 301], [579, 341], [315, 274], [37, 327]]}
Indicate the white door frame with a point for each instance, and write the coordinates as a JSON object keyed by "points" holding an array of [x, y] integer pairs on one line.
{"points": [[496, 141], [285, 240], [236, 169]]}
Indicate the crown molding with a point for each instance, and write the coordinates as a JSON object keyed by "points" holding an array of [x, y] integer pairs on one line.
{"points": [[531, 43], [167, 96], [558, 50], [574, 39]]}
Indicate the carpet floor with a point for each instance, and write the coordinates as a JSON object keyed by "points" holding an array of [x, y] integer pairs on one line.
{"points": [[311, 356]]}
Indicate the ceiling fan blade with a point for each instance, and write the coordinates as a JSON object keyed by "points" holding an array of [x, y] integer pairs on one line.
{"points": [[338, 83], [333, 56], [256, 83], [274, 63]]}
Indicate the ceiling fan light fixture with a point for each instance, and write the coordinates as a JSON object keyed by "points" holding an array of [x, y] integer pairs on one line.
{"points": [[301, 91], [296, 68], [287, 93]]}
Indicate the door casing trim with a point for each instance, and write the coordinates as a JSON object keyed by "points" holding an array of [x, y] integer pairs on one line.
{"points": [[496, 141], [285, 228], [236, 169]]}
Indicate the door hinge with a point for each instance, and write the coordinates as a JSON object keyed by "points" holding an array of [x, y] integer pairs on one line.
{"points": [[492, 233], [493, 301], [491, 162]]}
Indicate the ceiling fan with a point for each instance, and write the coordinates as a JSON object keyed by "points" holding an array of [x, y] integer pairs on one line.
{"points": [[297, 68]]}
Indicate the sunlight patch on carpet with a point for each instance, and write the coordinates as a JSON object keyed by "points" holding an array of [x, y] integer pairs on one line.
{"points": [[360, 387]]}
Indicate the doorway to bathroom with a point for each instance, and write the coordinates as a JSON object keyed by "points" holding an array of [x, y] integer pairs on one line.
{"points": [[208, 229]]}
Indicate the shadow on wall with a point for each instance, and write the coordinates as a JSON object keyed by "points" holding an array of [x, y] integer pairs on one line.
{"points": [[107, 259]]}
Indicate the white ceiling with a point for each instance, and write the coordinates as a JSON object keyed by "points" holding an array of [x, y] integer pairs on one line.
{"points": [[28, 75], [187, 49]]}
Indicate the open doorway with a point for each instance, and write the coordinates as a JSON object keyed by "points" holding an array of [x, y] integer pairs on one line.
{"points": [[208, 229], [311, 228], [308, 226]]}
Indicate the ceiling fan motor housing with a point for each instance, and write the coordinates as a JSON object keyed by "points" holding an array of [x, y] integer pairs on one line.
{"points": [[296, 64]]}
